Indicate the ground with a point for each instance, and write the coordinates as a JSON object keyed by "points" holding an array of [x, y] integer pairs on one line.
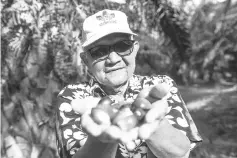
{"points": [[214, 110]]}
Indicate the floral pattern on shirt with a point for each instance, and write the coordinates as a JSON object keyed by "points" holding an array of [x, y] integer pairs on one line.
{"points": [[70, 136]]}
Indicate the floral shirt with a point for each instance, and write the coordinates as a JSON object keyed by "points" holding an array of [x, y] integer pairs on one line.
{"points": [[70, 136]]}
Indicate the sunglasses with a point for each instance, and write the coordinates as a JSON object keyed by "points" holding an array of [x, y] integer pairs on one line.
{"points": [[122, 48]]}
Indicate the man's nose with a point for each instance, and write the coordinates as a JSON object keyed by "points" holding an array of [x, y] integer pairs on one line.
{"points": [[113, 57]]}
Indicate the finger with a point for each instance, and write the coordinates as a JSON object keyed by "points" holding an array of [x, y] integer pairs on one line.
{"points": [[159, 110], [113, 132], [124, 138], [128, 136], [141, 103], [90, 126], [147, 129], [133, 133], [110, 134], [144, 92]]}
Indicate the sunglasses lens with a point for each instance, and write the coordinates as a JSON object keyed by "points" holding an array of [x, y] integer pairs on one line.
{"points": [[123, 47], [99, 52]]}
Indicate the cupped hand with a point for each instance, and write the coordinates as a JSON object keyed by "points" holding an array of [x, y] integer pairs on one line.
{"points": [[97, 116], [104, 131], [95, 120], [152, 119], [155, 111]]}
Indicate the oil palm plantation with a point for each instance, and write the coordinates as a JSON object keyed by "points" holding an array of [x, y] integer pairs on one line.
{"points": [[40, 47]]}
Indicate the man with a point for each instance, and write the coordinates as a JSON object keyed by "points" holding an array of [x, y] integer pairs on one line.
{"points": [[109, 52]]}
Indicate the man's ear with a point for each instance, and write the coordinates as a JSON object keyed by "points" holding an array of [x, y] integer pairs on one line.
{"points": [[84, 57], [136, 47]]}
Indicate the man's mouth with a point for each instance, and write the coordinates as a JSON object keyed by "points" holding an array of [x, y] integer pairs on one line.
{"points": [[107, 70]]}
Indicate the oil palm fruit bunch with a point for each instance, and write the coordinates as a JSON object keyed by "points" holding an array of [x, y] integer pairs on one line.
{"points": [[126, 116]]}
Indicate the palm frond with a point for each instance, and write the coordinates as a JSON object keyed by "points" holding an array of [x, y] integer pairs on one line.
{"points": [[173, 24]]}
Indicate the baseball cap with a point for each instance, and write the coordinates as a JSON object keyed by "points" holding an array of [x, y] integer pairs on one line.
{"points": [[103, 23]]}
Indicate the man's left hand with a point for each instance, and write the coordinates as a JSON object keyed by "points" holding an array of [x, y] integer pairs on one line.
{"points": [[153, 118], [156, 95]]}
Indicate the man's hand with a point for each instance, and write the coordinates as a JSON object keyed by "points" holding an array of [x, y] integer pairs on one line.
{"points": [[150, 108], [153, 118], [97, 116], [105, 132], [94, 121], [161, 137], [156, 112]]}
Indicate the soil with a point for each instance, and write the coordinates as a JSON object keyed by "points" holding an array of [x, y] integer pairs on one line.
{"points": [[214, 110]]}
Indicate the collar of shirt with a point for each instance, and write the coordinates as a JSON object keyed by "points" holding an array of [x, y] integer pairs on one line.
{"points": [[134, 86]]}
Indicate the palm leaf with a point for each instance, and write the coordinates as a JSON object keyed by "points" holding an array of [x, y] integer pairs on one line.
{"points": [[13, 149], [173, 24]]}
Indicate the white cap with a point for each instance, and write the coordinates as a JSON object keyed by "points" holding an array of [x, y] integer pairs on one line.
{"points": [[103, 23]]}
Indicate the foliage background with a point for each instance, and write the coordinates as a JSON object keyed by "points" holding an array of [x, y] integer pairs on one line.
{"points": [[41, 42]]}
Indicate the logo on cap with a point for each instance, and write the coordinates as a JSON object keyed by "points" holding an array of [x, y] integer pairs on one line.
{"points": [[106, 18]]}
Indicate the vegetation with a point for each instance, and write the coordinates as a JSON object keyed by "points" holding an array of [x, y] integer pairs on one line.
{"points": [[41, 43]]}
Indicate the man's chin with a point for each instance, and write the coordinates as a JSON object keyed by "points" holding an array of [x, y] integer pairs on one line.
{"points": [[118, 80]]}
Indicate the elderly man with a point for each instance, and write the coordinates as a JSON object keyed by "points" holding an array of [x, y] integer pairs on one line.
{"points": [[167, 129]]}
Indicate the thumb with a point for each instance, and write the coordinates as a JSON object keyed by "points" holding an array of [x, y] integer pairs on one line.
{"points": [[144, 93], [147, 129], [159, 110]]}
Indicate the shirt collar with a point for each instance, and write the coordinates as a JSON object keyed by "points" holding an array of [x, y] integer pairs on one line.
{"points": [[98, 91]]}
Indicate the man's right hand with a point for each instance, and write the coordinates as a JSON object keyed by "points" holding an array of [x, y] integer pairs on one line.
{"points": [[103, 130]]}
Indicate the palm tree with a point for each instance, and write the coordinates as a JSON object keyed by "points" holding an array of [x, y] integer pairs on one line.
{"points": [[40, 54]]}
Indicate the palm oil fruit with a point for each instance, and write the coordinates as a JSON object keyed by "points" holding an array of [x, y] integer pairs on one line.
{"points": [[105, 105], [139, 113], [105, 102], [100, 116], [127, 122], [141, 103], [121, 114]]}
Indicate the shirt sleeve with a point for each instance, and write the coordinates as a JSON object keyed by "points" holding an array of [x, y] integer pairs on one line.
{"points": [[178, 114], [69, 134]]}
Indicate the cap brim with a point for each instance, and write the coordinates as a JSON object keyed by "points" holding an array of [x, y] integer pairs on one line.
{"points": [[104, 33]]}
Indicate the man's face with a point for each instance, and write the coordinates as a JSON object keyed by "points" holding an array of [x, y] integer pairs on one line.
{"points": [[114, 69]]}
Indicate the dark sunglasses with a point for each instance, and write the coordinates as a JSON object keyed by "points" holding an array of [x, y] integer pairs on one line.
{"points": [[122, 48]]}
